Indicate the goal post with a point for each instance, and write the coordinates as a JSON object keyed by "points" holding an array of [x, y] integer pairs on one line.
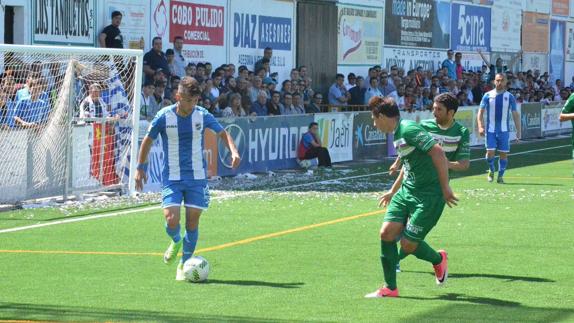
{"points": [[69, 120]]}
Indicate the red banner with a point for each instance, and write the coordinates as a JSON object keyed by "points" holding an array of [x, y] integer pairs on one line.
{"points": [[560, 7], [106, 171], [198, 24]]}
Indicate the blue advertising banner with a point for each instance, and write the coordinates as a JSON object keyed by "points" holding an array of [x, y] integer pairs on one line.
{"points": [[557, 35], [264, 143], [368, 141], [470, 28]]}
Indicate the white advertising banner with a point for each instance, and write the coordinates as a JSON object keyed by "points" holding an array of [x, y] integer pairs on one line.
{"points": [[506, 25], [64, 22], [471, 61], [411, 58], [535, 61], [570, 41], [551, 124], [201, 23], [360, 35], [135, 22], [261, 24], [336, 134]]}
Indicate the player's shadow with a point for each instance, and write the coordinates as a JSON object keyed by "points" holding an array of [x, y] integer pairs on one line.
{"points": [[254, 283], [455, 297], [509, 278]]}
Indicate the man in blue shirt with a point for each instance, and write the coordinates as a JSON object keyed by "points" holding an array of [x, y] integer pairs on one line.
{"points": [[338, 94], [310, 147], [33, 110], [450, 65], [498, 104], [184, 177], [259, 107]]}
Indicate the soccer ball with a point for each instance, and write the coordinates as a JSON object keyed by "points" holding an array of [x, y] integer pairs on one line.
{"points": [[305, 163], [196, 269]]}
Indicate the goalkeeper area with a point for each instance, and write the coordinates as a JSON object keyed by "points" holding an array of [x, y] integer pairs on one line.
{"points": [[305, 247]]}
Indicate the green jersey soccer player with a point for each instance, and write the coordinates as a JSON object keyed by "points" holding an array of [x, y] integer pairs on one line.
{"points": [[421, 198], [567, 114]]}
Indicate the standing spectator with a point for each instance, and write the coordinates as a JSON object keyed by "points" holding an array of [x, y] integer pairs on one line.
{"points": [[259, 107], [32, 111], [338, 94], [170, 57], [179, 60], [306, 90], [352, 81], [498, 67], [572, 84], [358, 92], [372, 90], [155, 59], [93, 106], [208, 69], [303, 72], [267, 53], [458, 65], [274, 106], [557, 86], [294, 75], [111, 36], [450, 65], [315, 106]]}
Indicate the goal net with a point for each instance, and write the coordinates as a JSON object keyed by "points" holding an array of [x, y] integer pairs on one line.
{"points": [[67, 120]]}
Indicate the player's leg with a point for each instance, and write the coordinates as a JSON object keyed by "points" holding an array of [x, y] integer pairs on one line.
{"points": [[392, 227], [172, 198], [490, 149], [196, 200], [421, 222], [503, 143]]}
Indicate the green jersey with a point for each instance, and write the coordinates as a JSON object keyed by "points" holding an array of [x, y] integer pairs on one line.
{"points": [[455, 141], [569, 108], [412, 144]]}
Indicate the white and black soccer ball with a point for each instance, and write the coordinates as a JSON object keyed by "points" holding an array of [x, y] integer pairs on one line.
{"points": [[305, 163], [196, 269]]}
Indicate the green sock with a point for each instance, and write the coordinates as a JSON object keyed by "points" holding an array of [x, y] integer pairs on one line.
{"points": [[402, 254], [425, 252], [389, 258]]}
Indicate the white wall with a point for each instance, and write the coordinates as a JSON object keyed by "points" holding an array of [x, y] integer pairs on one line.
{"points": [[22, 20]]}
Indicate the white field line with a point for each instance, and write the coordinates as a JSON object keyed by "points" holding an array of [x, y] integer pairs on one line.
{"points": [[155, 207]]}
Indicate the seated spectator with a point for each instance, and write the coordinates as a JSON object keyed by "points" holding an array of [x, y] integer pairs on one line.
{"points": [[352, 81], [315, 106], [310, 147], [93, 106], [256, 86], [159, 95], [234, 109], [149, 106], [274, 106], [259, 107], [211, 107], [154, 59], [33, 111], [294, 75], [190, 69], [7, 96], [298, 103], [270, 86], [286, 88], [358, 92], [288, 107]]}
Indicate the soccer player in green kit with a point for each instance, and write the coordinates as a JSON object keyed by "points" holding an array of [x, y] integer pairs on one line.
{"points": [[567, 114], [421, 198], [453, 137]]}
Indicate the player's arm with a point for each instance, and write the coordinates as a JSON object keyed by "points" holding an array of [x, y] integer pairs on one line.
{"points": [[566, 116], [395, 166], [480, 119], [516, 117], [235, 159], [386, 198], [514, 59], [102, 39], [462, 156], [141, 175], [441, 164]]}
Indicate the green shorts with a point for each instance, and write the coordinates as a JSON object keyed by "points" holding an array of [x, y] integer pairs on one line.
{"points": [[420, 212]]}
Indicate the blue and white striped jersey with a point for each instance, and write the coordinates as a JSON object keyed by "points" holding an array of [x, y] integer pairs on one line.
{"points": [[499, 107], [183, 142]]}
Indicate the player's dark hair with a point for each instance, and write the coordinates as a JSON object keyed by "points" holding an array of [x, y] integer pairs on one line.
{"points": [[312, 124], [448, 100], [385, 106], [189, 86]]}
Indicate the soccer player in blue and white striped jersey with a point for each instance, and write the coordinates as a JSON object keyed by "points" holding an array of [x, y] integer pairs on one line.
{"points": [[182, 127], [498, 104]]}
